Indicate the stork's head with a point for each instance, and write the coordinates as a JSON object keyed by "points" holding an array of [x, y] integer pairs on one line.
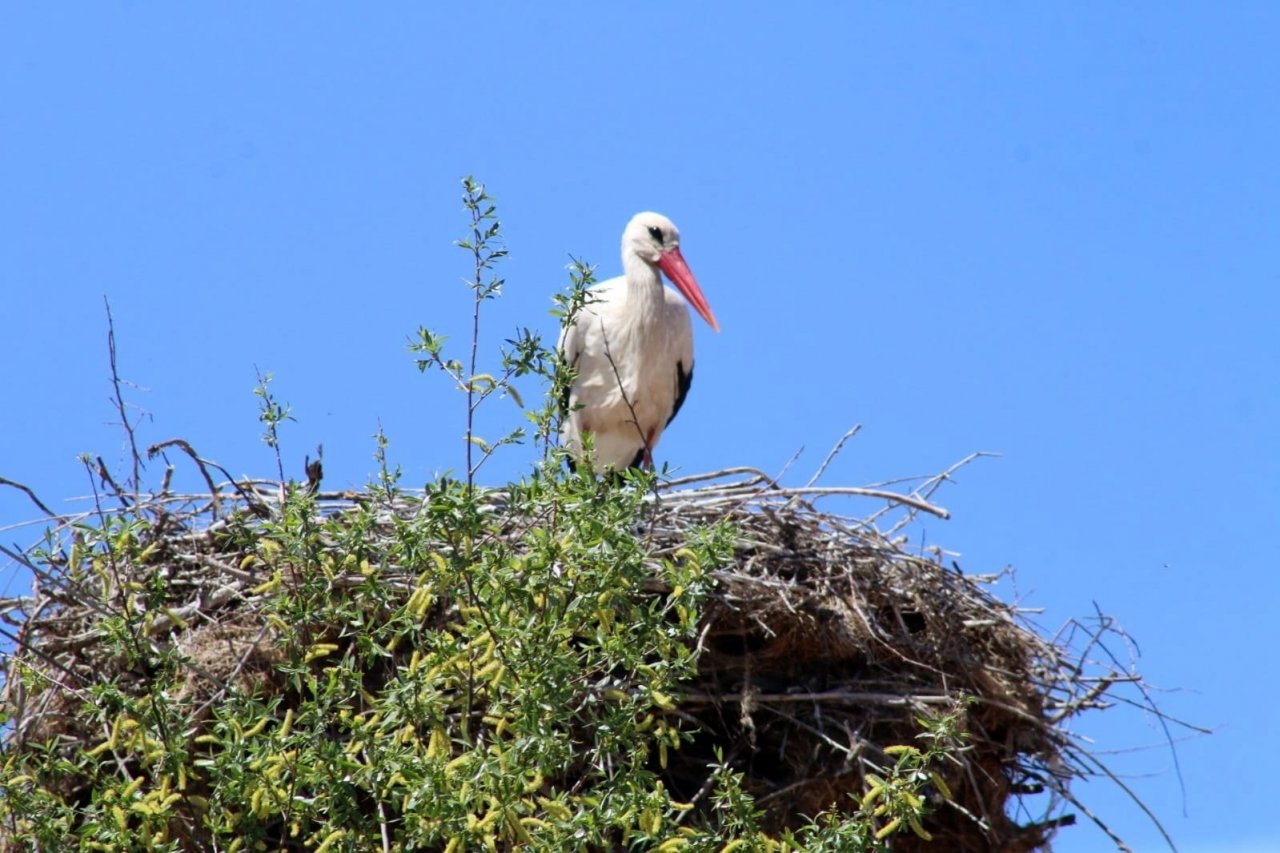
{"points": [[648, 235], [654, 239]]}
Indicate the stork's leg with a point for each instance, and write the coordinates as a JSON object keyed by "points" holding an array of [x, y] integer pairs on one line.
{"points": [[648, 451]]}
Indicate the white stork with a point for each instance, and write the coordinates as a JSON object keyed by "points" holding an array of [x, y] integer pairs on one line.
{"points": [[632, 347]]}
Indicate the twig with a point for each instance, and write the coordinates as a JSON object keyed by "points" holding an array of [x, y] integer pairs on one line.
{"points": [[622, 389], [272, 414], [894, 497], [834, 452], [4, 481], [118, 399], [105, 479], [1164, 726], [782, 472]]}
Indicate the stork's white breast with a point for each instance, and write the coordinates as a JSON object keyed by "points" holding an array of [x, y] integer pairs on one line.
{"points": [[627, 372]]}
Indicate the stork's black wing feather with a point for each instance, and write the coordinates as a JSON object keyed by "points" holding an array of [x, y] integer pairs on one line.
{"points": [[564, 402], [683, 383], [568, 388], [564, 411]]}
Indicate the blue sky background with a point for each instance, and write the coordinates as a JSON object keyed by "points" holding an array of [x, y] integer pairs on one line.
{"points": [[1045, 232]]}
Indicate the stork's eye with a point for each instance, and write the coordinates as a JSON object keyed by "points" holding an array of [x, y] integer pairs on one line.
{"points": [[656, 233]]}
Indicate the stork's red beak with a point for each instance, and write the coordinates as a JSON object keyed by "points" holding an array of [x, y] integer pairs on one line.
{"points": [[672, 263]]}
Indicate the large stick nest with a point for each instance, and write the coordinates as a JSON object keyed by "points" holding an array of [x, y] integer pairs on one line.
{"points": [[818, 648]]}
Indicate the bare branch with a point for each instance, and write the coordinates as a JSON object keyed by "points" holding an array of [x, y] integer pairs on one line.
{"points": [[835, 451], [4, 481], [118, 400]]}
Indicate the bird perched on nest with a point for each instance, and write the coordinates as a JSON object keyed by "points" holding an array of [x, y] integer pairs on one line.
{"points": [[632, 347]]}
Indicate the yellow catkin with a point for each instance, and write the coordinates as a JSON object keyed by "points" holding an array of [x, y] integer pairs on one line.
{"points": [[914, 823], [662, 700], [888, 829], [555, 809], [175, 617], [489, 819], [270, 585], [320, 650], [940, 785], [287, 725], [116, 725], [255, 803], [411, 606], [425, 600], [256, 729], [330, 840], [438, 746]]}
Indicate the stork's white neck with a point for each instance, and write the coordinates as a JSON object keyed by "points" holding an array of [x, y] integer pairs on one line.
{"points": [[645, 297]]}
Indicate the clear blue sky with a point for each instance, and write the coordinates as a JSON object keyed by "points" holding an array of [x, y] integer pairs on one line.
{"points": [[1050, 233]]}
